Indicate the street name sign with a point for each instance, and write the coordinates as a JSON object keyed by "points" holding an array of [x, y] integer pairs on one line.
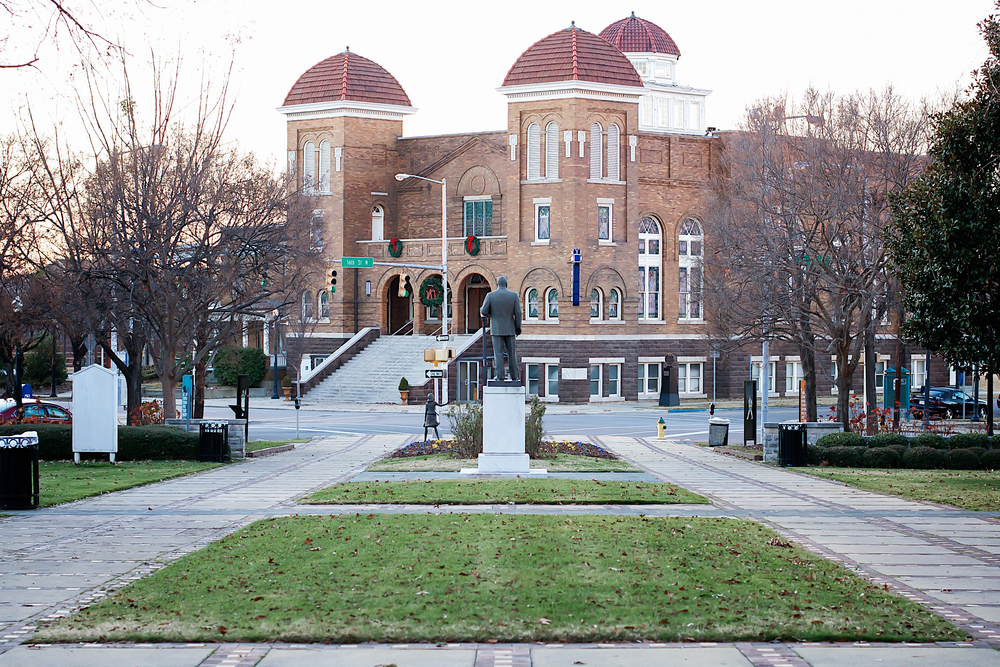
{"points": [[357, 262]]}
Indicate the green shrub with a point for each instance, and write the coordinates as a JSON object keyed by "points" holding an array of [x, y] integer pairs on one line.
{"points": [[967, 440], [887, 439], [932, 440], [55, 441], [135, 443], [922, 458], [841, 440], [38, 366], [232, 361], [843, 457], [467, 426], [815, 454], [899, 449], [533, 430], [978, 451], [404, 385], [880, 457], [991, 460], [961, 459]]}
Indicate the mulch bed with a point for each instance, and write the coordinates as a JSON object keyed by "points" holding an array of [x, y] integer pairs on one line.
{"points": [[547, 448]]}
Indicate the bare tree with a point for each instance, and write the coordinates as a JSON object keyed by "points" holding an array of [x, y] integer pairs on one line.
{"points": [[797, 219]]}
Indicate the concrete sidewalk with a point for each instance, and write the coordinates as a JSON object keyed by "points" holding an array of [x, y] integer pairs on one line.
{"points": [[56, 560]]}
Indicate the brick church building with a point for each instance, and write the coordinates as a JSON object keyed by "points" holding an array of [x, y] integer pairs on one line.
{"points": [[602, 161]]}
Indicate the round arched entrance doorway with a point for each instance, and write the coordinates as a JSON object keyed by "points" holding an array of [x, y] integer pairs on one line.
{"points": [[399, 310], [476, 289]]}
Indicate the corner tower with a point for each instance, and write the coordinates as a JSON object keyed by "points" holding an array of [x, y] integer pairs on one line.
{"points": [[344, 118]]}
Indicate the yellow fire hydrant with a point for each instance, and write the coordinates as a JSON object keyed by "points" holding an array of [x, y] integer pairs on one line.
{"points": [[660, 427]]}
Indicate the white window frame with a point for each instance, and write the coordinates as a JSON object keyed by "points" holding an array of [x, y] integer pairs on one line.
{"points": [[611, 378], [684, 366], [542, 203], [646, 110], [600, 304], [596, 151], [689, 268], [755, 362], [610, 205], [487, 223], [552, 150], [316, 226], [309, 168], [307, 306], [534, 153], [914, 361], [616, 382], [541, 366], [599, 368], [793, 373], [378, 223], [647, 378], [324, 167], [617, 293], [645, 264], [614, 157], [548, 294], [527, 306], [324, 301]]}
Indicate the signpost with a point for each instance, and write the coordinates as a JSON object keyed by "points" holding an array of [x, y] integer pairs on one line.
{"points": [[749, 411]]}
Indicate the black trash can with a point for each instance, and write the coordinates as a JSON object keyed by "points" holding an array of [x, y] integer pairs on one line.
{"points": [[19, 471], [792, 445], [213, 441]]}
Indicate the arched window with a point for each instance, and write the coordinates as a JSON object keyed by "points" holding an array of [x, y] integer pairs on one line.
{"points": [[650, 267], [552, 304], [596, 146], [596, 304], [531, 304], [324, 166], [378, 224], [689, 284], [552, 150], [534, 152], [324, 305], [307, 305], [614, 158], [309, 167], [614, 304]]}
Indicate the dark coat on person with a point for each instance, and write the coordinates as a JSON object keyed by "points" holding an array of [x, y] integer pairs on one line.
{"points": [[503, 307]]}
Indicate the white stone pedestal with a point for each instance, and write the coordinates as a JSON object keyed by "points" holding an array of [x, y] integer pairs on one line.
{"points": [[503, 435]]}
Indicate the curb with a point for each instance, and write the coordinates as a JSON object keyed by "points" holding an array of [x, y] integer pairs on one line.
{"points": [[270, 451]]}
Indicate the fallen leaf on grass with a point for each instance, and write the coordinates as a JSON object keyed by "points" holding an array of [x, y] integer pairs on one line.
{"points": [[544, 621], [777, 542]]}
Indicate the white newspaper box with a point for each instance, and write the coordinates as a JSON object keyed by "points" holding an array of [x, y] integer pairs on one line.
{"points": [[95, 412]]}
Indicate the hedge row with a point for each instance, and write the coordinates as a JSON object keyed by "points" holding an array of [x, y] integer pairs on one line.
{"points": [[899, 456], [135, 443], [932, 440]]}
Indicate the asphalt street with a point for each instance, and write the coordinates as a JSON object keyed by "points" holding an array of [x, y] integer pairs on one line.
{"points": [[279, 423]]}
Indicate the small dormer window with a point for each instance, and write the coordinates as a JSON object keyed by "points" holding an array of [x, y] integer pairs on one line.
{"points": [[663, 70], [640, 67]]}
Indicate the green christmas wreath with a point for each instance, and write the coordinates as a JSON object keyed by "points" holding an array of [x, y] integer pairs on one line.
{"points": [[431, 292], [472, 245], [395, 247]]}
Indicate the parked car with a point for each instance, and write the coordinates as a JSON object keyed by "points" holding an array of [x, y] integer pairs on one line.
{"points": [[37, 411], [947, 403]]}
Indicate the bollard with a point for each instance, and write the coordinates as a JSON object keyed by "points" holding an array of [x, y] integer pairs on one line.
{"points": [[660, 427]]}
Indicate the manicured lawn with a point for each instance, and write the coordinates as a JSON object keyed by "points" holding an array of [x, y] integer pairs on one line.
{"points": [[492, 491], [433, 578], [265, 444], [444, 463], [971, 489], [64, 482]]}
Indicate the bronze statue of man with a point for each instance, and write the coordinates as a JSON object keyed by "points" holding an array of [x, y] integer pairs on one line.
{"points": [[503, 307]]}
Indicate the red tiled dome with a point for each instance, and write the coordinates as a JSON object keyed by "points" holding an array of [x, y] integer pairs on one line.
{"points": [[636, 35], [347, 76], [572, 55]]}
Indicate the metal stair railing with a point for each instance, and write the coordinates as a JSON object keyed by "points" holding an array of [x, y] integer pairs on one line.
{"points": [[362, 365]]}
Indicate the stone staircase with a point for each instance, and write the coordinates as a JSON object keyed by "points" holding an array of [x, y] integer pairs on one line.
{"points": [[373, 375]]}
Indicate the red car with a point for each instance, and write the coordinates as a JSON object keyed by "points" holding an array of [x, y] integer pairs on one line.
{"points": [[37, 412]]}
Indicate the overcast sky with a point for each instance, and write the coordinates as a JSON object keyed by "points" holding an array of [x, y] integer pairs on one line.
{"points": [[451, 56]]}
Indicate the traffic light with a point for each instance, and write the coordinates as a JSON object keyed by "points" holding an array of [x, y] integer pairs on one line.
{"points": [[332, 280], [405, 288]]}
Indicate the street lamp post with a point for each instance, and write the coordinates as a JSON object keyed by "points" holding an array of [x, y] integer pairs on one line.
{"points": [[444, 265]]}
